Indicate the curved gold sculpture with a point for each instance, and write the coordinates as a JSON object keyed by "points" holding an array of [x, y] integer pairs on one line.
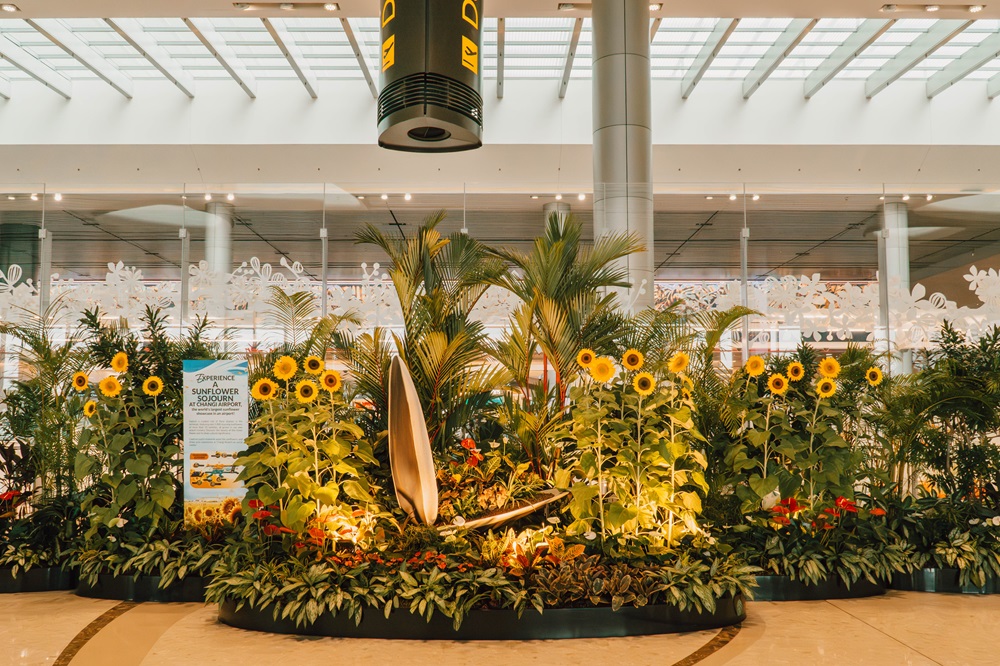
{"points": [[410, 454]]}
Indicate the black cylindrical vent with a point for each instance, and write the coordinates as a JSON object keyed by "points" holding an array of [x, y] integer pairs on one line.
{"points": [[431, 99]]}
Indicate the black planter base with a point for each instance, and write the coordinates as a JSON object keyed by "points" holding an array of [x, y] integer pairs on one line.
{"points": [[783, 588], [497, 625], [941, 580], [143, 588], [36, 579]]}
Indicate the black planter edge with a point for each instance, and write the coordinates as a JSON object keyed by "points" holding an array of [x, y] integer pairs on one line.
{"points": [[142, 588], [783, 588], [503, 624], [37, 579], [940, 581]]}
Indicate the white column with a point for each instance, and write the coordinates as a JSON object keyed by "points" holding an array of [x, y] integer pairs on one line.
{"points": [[219, 237], [894, 272]]}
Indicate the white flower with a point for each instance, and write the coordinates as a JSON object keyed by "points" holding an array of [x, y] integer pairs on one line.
{"points": [[555, 519], [118, 522], [771, 499], [494, 445], [459, 520], [996, 520], [112, 539], [590, 535], [974, 521]]}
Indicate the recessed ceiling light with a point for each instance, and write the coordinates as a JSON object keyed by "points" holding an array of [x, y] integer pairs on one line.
{"points": [[11, 198], [709, 197], [407, 196], [906, 197], [385, 197], [230, 197], [9, 8], [566, 6], [208, 196], [581, 196], [361, 196], [975, 9], [331, 6], [881, 198], [756, 197], [241, 5], [655, 6], [534, 196], [57, 197], [930, 197], [34, 197], [931, 8], [888, 8], [287, 6], [732, 197], [558, 197]]}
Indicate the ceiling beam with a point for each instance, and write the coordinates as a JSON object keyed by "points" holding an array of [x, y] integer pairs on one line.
{"points": [[993, 86], [5, 89], [293, 54], [979, 55], [654, 27], [940, 33], [217, 46], [57, 33], [131, 31], [574, 41], [843, 55], [785, 44], [362, 63], [709, 52], [501, 47], [30, 65]]}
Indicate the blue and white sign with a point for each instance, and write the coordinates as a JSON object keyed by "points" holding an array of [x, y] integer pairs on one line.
{"points": [[216, 416]]}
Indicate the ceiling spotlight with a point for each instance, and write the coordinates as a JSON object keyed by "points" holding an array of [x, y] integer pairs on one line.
{"points": [[57, 197], [331, 6], [931, 8], [930, 197], [534, 196], [581, 196], [230, 197], [34, 197], [566, 6], [709, 197], [558, 197], [655, 6], [287, 6], [9, 8], [208, 196], [11, 198], [385, 197], [888, 8], [732, 197], [975, 9], [407, 196], [906, 197], [241, 5], [756, 197], [881, 198], [361, 197]]}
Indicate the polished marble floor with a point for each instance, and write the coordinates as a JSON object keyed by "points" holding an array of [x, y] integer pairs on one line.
{"points": [[899, 628]]}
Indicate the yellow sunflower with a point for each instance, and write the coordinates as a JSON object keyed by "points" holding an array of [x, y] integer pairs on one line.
{"points": [[826, 388], [110, 386], [264, 389], [80, 381], [285, 368], [306, 390], [874, 376], [678, 362], [829, 367], [90, 408], [644, 384], [754, 366], [585, 357], [153, 386], [119, 362], [633, 359], [796, 371], [314, 365], [602, 369], [330, 380], [777, 384]]}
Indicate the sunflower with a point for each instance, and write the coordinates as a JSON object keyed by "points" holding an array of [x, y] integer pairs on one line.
{"points": [[644, 383], [110, 386], [264, 389], [602, 369], [585, 357], [796, 371], [829, 367], [874, 376], [89, 408], [678, 362], [330, 380], [119, 363], [754, 366], [777, 384], [313, 365], [633, 359], [153, 386], [826, 388], [285, 368], [80, 381], [306, 390]]}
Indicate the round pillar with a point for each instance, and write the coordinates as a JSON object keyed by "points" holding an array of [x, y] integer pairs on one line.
{"points": [[219, 237], [623, 139]]}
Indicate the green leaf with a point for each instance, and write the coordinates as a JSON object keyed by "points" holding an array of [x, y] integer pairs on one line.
{"points": [[763, 487]]}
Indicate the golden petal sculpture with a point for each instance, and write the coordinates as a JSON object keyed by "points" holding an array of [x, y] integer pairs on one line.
{"points": [[537, 502], [410, 454]]}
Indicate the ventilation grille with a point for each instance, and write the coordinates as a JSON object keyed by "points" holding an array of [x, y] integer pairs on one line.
{"points": [[426, 88]]}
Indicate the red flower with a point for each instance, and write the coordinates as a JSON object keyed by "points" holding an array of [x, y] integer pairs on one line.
{"points": [[832, 512], [791, 504], [271, 530], [827, 526], [781, 520], [262, 514], [256, 504], [877, 512], [285, 530], [299, 544], [846, 505], [316, 533], [472, 461], [9, 495], [468, 444]]}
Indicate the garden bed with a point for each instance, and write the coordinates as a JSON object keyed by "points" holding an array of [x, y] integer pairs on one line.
{"points": [[503, 624], [36, 579], [143, 588], [783, 588], [942, 581]]}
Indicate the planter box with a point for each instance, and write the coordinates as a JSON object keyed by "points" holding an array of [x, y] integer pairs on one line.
{"points": [[498, 624], [783, 588], [36, 579], [941, 580], [143, 588]]}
